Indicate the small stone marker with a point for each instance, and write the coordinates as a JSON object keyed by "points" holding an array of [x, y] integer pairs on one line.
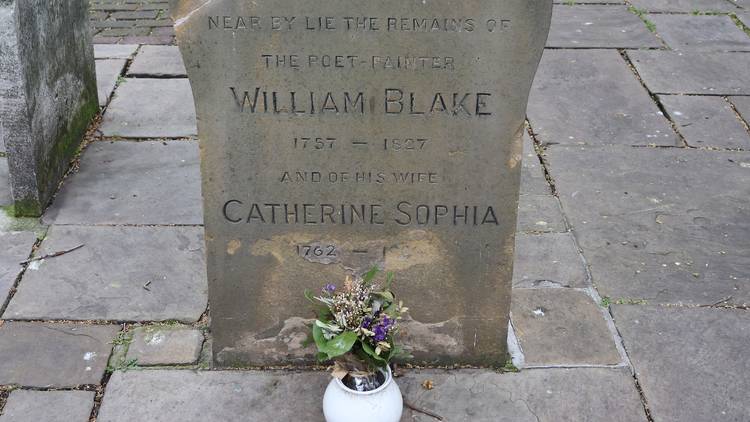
{"points": [[48, 93], [344, 134]]}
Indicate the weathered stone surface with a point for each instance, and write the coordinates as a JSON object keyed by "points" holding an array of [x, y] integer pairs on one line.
{"points": [[482, 396], [132, 183], [599, 26], [591, 97], [48, 406], [54, 355], [672, 72], [689, 361], [151, 108], [47, 93], [700, 33], [163, 277], [158, 60], [107, 73], [706, 121], [685, 6], [5, 197], [540, 213], [458, 272], [654, 225], [550, 259], [742, 105], [16, 247], [165, 345], [533, 181], [114, 51], [562, 327]]}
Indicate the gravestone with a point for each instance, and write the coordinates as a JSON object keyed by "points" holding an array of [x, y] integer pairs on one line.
{"points": [[341, 134], [47, 93]]}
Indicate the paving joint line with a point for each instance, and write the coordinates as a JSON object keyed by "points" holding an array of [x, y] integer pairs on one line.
{"points": [[17, 281], [654, 97], [737, 114]]}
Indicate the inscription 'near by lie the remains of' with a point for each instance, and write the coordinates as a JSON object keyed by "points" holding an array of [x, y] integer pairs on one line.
{"points": [[358, 23]]}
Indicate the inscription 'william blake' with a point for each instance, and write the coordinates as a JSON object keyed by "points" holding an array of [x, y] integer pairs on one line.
{"points": [[395, 101]]}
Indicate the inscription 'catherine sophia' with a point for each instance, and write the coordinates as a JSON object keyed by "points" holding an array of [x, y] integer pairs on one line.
{"points": [[395, 101]]}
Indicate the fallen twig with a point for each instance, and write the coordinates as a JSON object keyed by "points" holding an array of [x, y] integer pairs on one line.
{"points": [[422, 411], [726, 299], [51, 255], [145, 286]]}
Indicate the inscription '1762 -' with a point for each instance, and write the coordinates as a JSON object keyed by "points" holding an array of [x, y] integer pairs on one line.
{"points": [[341, 134]]}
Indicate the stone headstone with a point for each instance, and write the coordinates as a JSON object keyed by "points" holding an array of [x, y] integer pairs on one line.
{"points": [[47, 93], [341, 134]]}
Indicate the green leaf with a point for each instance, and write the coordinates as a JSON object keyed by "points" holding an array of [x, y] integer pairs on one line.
{"points": [[387, 296], [318, 338], [340, 344], [370, 275], [322, 357], [388, 280], [371, 352]]}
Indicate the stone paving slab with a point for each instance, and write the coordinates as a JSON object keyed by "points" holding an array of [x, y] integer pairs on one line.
{"points": [[164, 345], [742, 104], [540, 213], [107, 73], [158, 61], [700, 33], [14, 248], [54, 355], [673, 72], [684, 6], [549, 259], [48, 406], [5, 196], [691, 362], [466, 395], [656, 224], [592, 97], [533, 181], [599, 26], [561, 327], [151, 108], [121, 274], [115, 51], [132, 183], [706, 121]]}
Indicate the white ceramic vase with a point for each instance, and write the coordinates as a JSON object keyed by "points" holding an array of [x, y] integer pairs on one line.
{"points": [[384, 404]]}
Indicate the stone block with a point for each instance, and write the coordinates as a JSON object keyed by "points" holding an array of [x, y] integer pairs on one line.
{"points": [[599, 26], [54, 355], [591, 97], [659, 225], [562, 327], [47, 93], [114, 51], [107, 73], [706, 121], [165, 345], [700, 33], [16, 247], [158, 61], [162, 278], [132, 183], [690, 72], [48, 406], [550, 259], [399, 144], [481, 396], [540, 214], [689, 361], [151, 108]]}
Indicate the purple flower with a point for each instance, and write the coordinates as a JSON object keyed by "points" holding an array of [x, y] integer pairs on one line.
{"points": [[329, 288], [381, 332], [366, 322]]}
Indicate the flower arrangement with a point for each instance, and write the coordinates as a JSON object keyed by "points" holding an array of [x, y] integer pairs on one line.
{"points": [[356, 326]]}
